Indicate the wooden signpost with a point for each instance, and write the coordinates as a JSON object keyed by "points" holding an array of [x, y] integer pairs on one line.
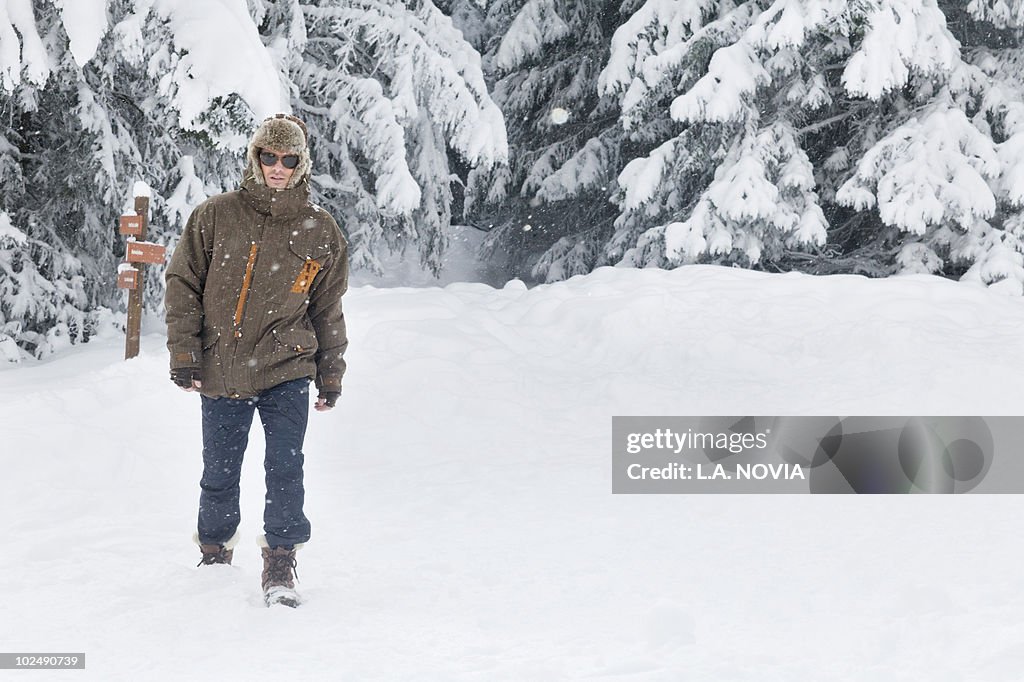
{"points": [[131, 274]]}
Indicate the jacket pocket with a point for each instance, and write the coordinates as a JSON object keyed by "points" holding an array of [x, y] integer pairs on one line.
{"points": [[297, 341], [212, 365], [308, 259], [291, 355], [309, 250], [294, 271]]}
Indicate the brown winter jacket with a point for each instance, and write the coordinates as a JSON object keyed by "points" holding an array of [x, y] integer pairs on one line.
{"points": [[254, 292]]}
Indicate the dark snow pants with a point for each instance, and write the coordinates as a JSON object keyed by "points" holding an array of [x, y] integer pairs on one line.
{"points": [[284, 411]]}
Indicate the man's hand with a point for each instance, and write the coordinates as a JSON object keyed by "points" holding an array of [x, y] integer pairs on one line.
{"points": [[187, 378], [326, 400]]}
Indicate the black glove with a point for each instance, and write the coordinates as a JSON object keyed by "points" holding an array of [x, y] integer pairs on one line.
{"points": [[329, 397], [184, 376]]}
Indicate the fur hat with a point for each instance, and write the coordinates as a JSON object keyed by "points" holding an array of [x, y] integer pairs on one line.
{"points": [[285, 133]]}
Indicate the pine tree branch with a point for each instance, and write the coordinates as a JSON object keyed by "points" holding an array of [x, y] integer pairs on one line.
{"points": [[849, 113]]}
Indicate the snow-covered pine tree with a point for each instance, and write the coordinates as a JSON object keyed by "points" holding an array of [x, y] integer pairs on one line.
{"points": [[991, 33], [795, 115], [731, 180], [946, 175], [46, 290], [42, 296], [547, 212], [388, 89]]}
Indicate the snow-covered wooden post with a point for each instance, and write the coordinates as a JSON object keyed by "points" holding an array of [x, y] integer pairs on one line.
{"points": [[131, 274]]}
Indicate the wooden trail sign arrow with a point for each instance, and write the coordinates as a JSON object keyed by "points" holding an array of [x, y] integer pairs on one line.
{"points": [[145, 252]]}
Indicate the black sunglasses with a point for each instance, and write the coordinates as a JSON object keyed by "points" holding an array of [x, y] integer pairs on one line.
{"points": [[288, 160]]}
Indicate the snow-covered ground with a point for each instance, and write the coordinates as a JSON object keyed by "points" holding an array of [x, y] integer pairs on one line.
{"points": [[460, 495]]}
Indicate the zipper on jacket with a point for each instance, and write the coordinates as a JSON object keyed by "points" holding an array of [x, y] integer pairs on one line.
{"points": [[244, 294]]}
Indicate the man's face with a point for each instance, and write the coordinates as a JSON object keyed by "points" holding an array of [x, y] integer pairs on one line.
{"points": [[276, 175]]}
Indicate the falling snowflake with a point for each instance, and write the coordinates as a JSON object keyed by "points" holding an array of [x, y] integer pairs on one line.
{"points": [[559, 116]]}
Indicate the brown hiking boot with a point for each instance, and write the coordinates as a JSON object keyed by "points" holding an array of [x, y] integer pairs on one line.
{"points": [[215, 554], [279, 576]]}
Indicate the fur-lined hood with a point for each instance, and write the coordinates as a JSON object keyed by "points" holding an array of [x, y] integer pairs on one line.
{"points": [[285, 133]]}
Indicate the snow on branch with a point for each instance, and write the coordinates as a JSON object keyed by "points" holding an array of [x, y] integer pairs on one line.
{"points": [[85, 22], [366, 120], [665, 46], [1002, 13], [590, 167], [762, 192], [20, 46], [658, 27], [723, 94], [788, 23], [40, 284], [902, 36], [537, 24], [1000, 77], [222, 54], [425, 62], [929, 171], [456, 92]]}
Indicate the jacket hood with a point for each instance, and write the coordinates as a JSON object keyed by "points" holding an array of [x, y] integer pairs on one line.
{"points": [[285, 133]]}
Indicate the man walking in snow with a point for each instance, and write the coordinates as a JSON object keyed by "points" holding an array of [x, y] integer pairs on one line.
{"points": [[254, 313]]}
